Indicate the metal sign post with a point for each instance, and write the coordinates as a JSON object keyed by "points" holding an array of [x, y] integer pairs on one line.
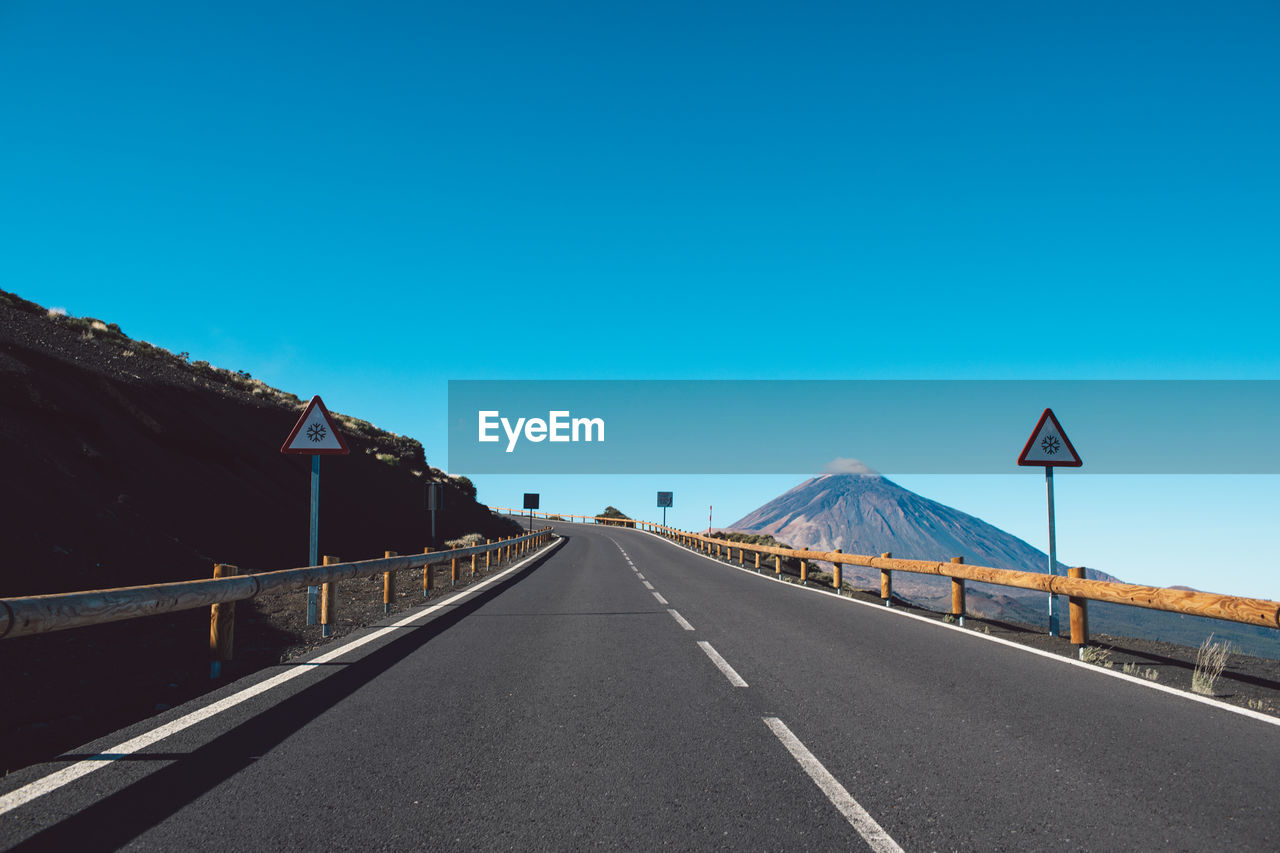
{"points": [[531, 500], [1050, 447], [313, 559], [435, 502], [315, 435]]}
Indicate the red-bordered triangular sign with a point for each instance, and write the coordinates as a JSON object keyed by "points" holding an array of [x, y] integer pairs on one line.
{"points": [[1049, 445], [314, 434]]}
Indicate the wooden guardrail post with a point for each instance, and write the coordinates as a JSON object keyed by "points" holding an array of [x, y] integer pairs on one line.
{"points": [[388, 585], [487, 554], [777, 566], [328, 601], [757, 562], [473, 565], [222, 625], [957, 594], [741, 554], [453, 571], [886, 582], [835, 574], [804, 572], [426, 575], [1078, 608]]}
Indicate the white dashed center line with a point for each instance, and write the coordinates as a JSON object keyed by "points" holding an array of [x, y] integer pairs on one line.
{"points": [[721, 664], [684, 623], [864, 823], [661, 600]]}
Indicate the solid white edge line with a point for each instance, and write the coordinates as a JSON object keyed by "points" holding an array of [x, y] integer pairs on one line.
{"points": [[880, 608], [722, 664], [864, 823], [661, 600], [683, 622], [53, 781]]}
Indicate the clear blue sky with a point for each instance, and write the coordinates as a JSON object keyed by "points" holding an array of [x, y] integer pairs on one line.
{"points": [[367, 200]]}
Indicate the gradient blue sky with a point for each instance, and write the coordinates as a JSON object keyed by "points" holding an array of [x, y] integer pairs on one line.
{"points": [[367, 200]]}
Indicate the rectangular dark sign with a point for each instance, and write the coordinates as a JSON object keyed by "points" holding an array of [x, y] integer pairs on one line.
{"points": [[664, 499], [530, 500]]}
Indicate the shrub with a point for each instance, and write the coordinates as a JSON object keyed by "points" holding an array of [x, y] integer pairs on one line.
{"points": [[1211, 660], [1096, 655]]}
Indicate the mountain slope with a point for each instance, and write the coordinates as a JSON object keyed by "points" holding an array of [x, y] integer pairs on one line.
{"points": [[870, 514], [126, 464]]}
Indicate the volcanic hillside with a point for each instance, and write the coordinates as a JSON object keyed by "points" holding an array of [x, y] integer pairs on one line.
{"points": [[871, 514], [128, 464]]}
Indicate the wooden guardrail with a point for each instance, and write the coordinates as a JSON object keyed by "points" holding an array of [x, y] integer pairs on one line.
{"points": [[41, 613], [1248, 611]]}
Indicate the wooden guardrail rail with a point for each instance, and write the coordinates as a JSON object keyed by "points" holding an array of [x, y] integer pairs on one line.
{"points": [[41, 613], [1248, 611]]}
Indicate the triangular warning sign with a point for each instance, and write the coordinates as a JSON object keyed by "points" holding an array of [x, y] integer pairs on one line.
{"points": [[314, 433], [1049, 445]]}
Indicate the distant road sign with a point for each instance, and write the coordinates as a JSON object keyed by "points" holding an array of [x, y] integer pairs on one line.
{"points": [[314, 434], [664, 499], [530, 500], [1049, 445]]}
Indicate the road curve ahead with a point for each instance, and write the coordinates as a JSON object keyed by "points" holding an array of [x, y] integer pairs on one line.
{"points": [[622, 692]]}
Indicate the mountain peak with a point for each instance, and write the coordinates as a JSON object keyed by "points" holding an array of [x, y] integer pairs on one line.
{"points": [[864, 513]]}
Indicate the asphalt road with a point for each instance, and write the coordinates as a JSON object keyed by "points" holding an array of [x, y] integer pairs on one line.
{"points": [[569, 705]]}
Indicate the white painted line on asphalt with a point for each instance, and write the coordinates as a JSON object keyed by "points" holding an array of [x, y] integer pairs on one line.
{"points": [[53, 781], [661, 600], [684, 623], [639, 575], [648, 585], [722, 664], [872, 833], [969, 632]]}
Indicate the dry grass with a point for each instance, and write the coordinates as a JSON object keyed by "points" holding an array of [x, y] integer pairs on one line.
{"points": [[1211, 660]]}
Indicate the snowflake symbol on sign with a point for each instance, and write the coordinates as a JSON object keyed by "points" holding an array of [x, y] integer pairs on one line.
{"points": [[316, 432], [1050, 444]]}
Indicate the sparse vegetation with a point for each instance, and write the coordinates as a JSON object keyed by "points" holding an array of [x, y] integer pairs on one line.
{"points": [[616, 516], [1096, 655], [1139, 671], [465, 541], [1211, 660]]}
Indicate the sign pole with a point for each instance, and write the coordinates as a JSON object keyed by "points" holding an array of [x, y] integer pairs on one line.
{"points": [[1050, 447], [315, 435], [313, 592], [1053, 551], [664, 516]]}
